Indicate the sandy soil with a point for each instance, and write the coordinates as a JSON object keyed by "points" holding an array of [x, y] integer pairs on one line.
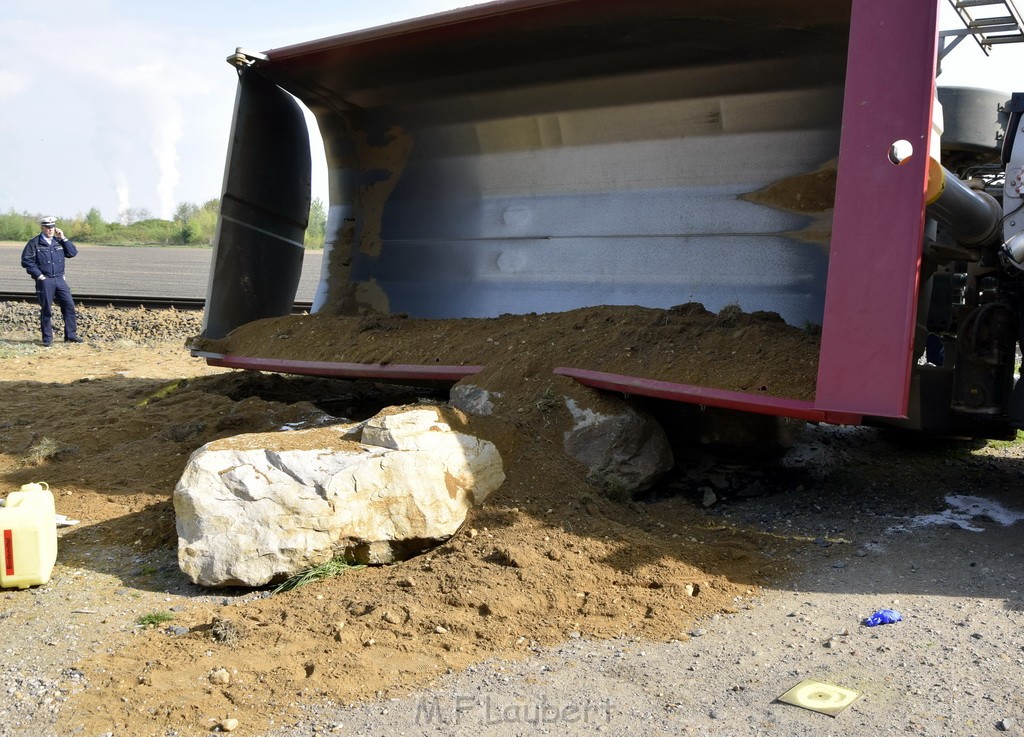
{"points": [[539, 578], [545, 559]]}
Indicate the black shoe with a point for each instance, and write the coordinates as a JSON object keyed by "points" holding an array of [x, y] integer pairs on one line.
{"points": [[47, 343], [76, 339]]}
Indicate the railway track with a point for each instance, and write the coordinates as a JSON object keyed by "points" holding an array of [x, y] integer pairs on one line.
{"points": [[120, 300]]}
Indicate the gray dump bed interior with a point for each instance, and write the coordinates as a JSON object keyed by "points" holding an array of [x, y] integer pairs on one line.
{"points": [[525, 157]]}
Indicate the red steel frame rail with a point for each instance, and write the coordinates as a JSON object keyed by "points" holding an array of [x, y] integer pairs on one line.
{"points": [[383, 371], [867, 335]]}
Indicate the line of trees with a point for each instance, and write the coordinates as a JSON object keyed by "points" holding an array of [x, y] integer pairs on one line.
{"points": [[192, 225]]}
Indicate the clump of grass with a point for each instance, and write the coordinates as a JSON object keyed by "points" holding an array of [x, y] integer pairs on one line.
{"points": [[547, 401], [47, 449], [729, 316], [164, 391], [812, 328], [330, 569], [154, 619], [1007, 443], [14, 349]]}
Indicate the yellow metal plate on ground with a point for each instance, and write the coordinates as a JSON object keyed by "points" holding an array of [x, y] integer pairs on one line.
{"points": [[821, 697]]}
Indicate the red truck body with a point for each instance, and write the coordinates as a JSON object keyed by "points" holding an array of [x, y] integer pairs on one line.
{"points": [[563, 59]]}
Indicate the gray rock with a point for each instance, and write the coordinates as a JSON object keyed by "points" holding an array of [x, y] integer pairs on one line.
{"points": [[624, 451], [472, 399], [623, 448], [755, 488]]}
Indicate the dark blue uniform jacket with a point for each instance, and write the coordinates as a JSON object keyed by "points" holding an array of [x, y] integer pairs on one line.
{"points": [[39, 258]]}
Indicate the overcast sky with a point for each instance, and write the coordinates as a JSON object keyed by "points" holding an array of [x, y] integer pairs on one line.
{"points": [[127, 103]]}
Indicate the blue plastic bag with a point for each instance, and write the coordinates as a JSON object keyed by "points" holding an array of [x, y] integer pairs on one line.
{"points": [[883, 616]]}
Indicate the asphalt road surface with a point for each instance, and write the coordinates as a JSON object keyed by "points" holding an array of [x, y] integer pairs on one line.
{"points": [[139, 272]]}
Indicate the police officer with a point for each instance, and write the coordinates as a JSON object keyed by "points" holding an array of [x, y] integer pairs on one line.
{"points": [[43, 259]]}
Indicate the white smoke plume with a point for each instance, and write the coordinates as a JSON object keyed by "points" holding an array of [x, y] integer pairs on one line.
{"points": [[167, 134], [124, 201], [144, 166]]}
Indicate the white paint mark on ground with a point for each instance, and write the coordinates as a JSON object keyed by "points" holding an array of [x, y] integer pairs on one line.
{"points": [[962, 513]]}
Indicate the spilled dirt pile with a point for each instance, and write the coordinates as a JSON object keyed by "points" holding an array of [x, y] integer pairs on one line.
{"points": [[546, 559]]}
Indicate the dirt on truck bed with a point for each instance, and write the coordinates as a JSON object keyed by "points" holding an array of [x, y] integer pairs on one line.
{"points": [[756, 352]]}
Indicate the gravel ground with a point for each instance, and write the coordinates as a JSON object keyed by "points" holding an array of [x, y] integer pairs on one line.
{"points": [[877, 528], [19, 321], [45, 631], [953, 666]]}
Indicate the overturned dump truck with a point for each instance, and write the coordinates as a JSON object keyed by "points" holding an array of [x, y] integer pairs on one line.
{"points": [[541, 156]]}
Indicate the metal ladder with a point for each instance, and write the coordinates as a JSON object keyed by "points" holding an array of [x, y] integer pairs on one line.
{"points": [[990, 22]]}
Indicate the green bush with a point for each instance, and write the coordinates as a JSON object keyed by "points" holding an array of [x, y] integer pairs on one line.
{"points": [[154, 619], [317, 226], [18, 227]]}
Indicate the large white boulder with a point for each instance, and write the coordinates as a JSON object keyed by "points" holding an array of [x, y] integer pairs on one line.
{"points": [[253, 509]]}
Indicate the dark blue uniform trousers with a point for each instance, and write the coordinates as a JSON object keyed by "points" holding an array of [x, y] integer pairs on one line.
{"points": [[50, 289]]}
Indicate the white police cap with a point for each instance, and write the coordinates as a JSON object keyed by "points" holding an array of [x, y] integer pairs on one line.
{"points": [[49, 221]]}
